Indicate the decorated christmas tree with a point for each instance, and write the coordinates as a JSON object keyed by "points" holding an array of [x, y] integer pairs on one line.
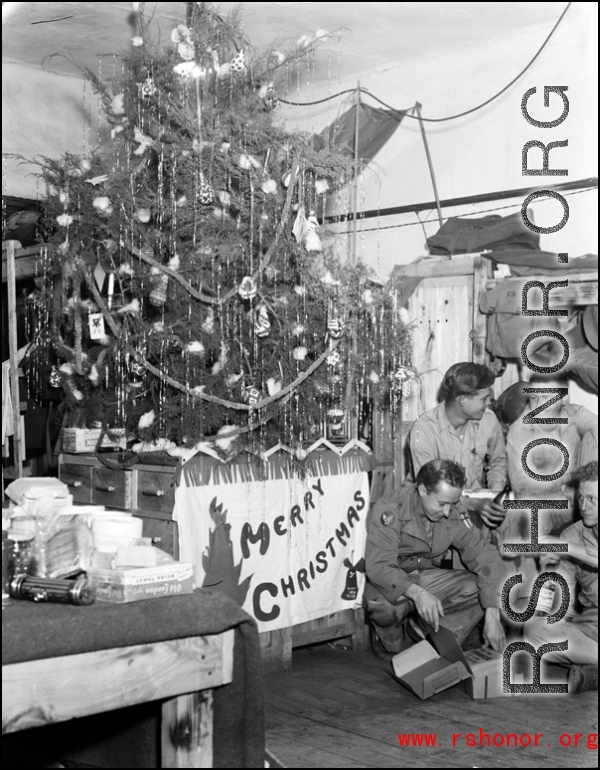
{"points": [[192, 288]]}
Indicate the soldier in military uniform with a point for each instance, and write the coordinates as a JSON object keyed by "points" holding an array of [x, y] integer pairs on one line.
{"points": [[408, 535]]}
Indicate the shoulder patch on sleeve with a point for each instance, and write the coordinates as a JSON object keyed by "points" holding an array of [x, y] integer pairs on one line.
{"points": [[466, 519], [387, 518]]}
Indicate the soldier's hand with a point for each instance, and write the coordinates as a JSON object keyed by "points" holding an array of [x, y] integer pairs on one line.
{"points": [[492, 514], [493, 632], [429, 608]]}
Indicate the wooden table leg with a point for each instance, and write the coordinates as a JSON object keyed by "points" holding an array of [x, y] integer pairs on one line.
{"points": [[187, 730]]}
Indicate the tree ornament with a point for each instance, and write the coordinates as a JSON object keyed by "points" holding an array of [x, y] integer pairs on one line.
{"points": [[137, 369], [187, 52], [267, 93], [64, 220], [312, 242], [158, 295], [102, 204], [262, 325], [99, 276], [299, 353], [206, 193], [269, 187], [143, 215], [248, 289], [286, 178], [367, 297], [404, 316], [335, 423], [334, 358], [252, 395], [273, 386], [185, 68], [96, 326], [224, 198], [300, 227], [247, 162], [147, 88], [195, 347], [143, 142], [238, 63], [54, 378], [321, 186], [335, 328], [146, 420]]}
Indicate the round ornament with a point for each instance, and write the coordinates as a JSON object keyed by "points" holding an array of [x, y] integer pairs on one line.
{"points": [[334, 358], [238, 63]]}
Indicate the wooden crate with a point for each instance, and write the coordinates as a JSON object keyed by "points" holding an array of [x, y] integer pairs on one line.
{"points": [[276, 646]]}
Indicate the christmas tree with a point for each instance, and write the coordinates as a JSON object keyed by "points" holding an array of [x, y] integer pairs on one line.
{"points": [[198, 292]]}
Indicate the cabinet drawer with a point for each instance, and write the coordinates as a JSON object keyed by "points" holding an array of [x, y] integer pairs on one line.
{"points": [[163, 532], [111, 488], [154, 491], [79, 480]]}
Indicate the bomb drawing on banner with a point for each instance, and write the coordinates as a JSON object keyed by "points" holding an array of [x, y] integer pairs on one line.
{"points": [[351, 588]]}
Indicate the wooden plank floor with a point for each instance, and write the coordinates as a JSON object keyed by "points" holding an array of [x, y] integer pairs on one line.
{"points": [[337, 708]]}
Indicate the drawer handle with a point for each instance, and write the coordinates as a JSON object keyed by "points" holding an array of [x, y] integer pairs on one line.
{"points": [[73, 483], [154, 492], [108, 488], [157, 539]]}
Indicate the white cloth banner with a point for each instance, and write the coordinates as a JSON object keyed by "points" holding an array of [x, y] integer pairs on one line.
{"points": [[285, 548]]}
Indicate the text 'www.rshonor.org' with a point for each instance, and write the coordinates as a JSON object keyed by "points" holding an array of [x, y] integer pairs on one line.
{"points": [[499, 740]]}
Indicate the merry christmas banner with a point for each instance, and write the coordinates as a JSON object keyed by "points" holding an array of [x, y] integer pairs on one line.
{"points": [[285, 547]]}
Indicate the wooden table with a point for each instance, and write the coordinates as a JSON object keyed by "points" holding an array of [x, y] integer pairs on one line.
{"points": [[184, 671]]}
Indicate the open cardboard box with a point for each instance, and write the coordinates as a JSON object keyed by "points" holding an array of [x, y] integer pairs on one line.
{"points": [[427, 669]]}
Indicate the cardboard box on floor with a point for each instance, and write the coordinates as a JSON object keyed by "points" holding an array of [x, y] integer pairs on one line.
{"points": [[428, 668], [486, 670]]}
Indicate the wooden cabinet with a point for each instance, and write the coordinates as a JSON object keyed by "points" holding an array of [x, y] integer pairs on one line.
{"points": [[148, 491]]}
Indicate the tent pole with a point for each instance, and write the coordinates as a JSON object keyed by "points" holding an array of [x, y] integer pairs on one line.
{"points": [[429, 161], [356, 167]]}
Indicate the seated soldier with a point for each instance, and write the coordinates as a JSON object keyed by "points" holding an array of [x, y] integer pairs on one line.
{"points": [[579, 567], [408, 535], [463, 429], [545, 459]]}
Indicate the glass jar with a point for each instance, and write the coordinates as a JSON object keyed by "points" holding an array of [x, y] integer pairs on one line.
{"points": [[22, 557]]}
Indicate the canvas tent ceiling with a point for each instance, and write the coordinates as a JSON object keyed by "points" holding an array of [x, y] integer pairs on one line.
{"points": [[376, 35]]}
